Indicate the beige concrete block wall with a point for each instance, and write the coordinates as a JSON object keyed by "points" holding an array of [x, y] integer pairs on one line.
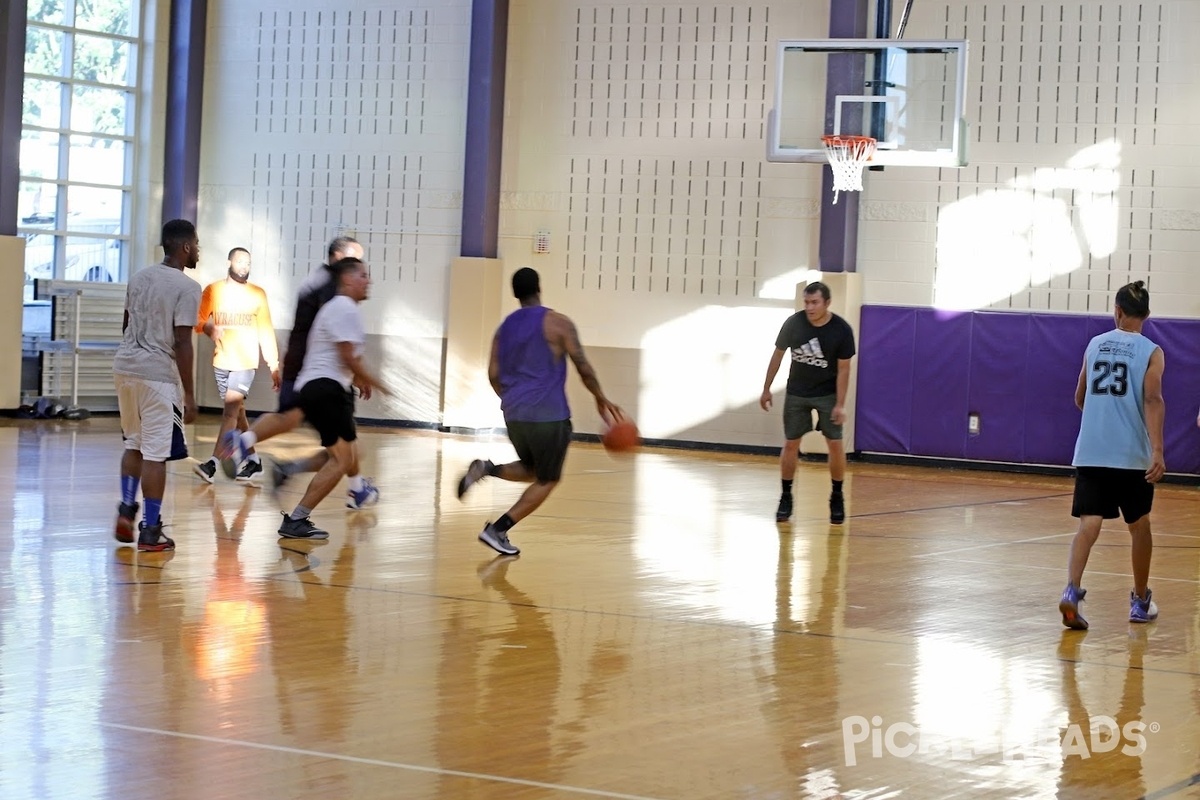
{"points": [[634, 135], [474, 313], [12, 282]]}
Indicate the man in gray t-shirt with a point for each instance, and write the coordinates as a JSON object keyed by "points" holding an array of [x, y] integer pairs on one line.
{"points": [[332, 367], [152, 364]]}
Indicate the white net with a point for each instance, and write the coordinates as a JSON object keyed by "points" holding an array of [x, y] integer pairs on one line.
{"points": [[848, 155]]}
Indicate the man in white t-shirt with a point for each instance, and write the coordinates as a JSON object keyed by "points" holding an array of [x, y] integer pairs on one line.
{"points": [[325, 386], [154, 359]]}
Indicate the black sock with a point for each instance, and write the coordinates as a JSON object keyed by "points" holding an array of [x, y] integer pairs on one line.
{"points": [[837, 487], [503, 524], [492, 469], [787, 486]]}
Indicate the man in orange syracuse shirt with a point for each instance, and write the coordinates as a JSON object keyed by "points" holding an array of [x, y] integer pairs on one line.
{"points": [[235, 314]]}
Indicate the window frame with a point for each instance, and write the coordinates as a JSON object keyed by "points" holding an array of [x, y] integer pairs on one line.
{"points": [[62, 231]]}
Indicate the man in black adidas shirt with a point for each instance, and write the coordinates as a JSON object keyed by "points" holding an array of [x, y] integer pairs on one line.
{"points": [[822, 345]]}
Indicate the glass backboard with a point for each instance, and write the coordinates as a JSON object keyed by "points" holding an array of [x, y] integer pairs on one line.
{"points": [[907, 94]]}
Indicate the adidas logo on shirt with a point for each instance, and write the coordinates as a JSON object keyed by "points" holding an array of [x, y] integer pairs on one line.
{"points": [[810, 353]]}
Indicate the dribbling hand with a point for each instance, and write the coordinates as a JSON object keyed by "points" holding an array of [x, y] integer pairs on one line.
{"points": [[610, 412]]}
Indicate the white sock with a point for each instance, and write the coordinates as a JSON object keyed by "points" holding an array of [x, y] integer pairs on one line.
{"points": [[254, 457], [214, 461], [249, 439], [356, 483]]}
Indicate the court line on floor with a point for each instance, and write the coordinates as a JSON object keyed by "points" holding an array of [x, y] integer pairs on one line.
{"points": [[974, 504], [1046, 538], [374, 762], [1059, 567], [968, 548]]}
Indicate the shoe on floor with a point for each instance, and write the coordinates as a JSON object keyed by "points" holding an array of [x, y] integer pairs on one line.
{"points": [[126, 513], [784, 512], [1072, 596], [498, 541], [152, 539], [250, 473], [300, 529], [837, 508], [1142, 610], [207, 470]]}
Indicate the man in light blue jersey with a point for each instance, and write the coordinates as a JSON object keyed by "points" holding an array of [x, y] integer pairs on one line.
{"points": [[1119, 452]]}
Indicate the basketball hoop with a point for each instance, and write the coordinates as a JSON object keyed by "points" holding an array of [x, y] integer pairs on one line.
{"points": [[848, 155]]}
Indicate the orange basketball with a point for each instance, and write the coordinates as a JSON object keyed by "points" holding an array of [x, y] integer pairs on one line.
{"points": [[621, 437]]}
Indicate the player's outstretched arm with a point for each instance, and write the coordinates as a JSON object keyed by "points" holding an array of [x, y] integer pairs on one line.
{"points": [[567, 337]]}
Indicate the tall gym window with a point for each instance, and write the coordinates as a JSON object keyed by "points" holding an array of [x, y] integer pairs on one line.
{"points": [[77, 139]]}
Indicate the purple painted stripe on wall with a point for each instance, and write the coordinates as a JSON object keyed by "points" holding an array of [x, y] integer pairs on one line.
{"points": [[921, 373]]}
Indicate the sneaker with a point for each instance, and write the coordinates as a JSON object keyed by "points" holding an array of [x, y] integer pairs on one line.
{"points": [[231, 453], [1142, 610], [1072, 596], [366, 496], [126, 513], [498, 541], [250, 473], [300, 529], [837, 508], [475, 473], [784, 512], [207, 470], [152, 539]]}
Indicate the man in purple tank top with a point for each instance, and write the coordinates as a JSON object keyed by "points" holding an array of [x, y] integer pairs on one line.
{"points": [[528, 370]]}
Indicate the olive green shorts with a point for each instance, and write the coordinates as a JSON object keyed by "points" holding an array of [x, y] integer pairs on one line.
{"points": [[798, 418]]}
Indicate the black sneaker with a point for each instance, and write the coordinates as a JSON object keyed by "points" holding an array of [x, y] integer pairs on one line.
{"points": [[475, 473], [300, 529], [837, 508], [784, 512], [126, 513], [206, 470], [250, 473], [152, 539], [498, 541]]}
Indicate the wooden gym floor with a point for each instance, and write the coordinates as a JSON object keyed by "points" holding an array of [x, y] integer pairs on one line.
{"points": [[659, 637]]}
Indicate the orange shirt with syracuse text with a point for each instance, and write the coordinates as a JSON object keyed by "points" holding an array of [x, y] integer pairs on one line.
{"points": [[240, 310]]}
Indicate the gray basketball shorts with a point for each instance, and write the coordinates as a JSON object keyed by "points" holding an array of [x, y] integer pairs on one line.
{"points": [[239, 380]]}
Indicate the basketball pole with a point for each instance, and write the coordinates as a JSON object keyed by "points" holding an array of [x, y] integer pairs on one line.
{"points": [[903, 18], [883, 30]]}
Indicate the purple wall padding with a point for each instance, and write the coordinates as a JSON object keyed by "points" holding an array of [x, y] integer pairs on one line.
{"points": [[1180, 341], [883, 411], [921, 372], [994, 373], [942, 362], [1054, 352]]}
